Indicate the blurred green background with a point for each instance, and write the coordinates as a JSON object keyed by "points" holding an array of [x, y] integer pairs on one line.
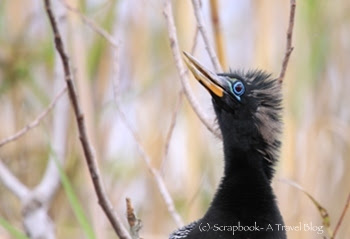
{"points": [[316, 138]]}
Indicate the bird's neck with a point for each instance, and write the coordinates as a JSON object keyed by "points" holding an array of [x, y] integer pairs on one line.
{"points": [[238, 160], [244, 188], [245, 196]]}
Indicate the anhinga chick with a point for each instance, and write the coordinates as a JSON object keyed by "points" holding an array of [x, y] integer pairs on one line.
{"points": [[248, 109]]}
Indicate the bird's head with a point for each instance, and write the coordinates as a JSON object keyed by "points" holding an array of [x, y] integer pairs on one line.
{"points": [[248, 108]]}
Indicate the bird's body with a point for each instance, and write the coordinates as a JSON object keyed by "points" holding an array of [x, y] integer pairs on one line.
{"points": [[247, 106]]}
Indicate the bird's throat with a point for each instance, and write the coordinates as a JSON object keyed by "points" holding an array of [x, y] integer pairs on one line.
{"points": [[245, 193], [244, 180]]}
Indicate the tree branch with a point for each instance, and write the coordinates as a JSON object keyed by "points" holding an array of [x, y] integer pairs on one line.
{"points": [[167, 11], [12, 183], [50, 182], [155, 173], [346, 207], [36, 121], [36, 202], [160, 183], [177, 107], [103, 200], [92, 24], [289, 47], [169, 202], [203, 31], [170, 131]]}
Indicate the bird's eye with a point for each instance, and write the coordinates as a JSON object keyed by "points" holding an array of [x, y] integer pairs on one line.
{"points": [[238, 88]]}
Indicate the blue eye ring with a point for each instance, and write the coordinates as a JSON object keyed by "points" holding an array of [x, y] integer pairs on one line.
{"points": [[238, 88]]}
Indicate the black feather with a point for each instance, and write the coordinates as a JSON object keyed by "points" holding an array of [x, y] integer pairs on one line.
{"points": [[251, 129]]}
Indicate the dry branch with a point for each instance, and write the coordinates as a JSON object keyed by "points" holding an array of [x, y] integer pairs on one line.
{"points": [[35, 122], [50, 181], [104, 202], [12, 183], [204, 33], [346, 207], [177, 107], [92, 24], [289, 47], [169, 202], [36, 202], [160, 183], [155, 173], [170, 131], [167, 11]]}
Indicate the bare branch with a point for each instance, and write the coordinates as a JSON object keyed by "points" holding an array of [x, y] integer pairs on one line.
{"points": [[36, 121], [35, 203], [50, 182], [167, 11], [195, 41], [134, 223], [169, 202], [104, 202], [92, 24], [346, 207], [12, 183], [161, 185], [219, 41], [289, 47], [156, 175], [176, 110], [171, 128], [203, 31], [36, 220]]}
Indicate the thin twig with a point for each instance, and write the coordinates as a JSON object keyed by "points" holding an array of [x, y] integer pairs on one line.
{"points": [[346, 207], [92, 24], [103, 200], [50, 181], [160, 183], [35, 202], [289, 47], [167, 11], [171, 129], [169, 202], [219, 41], [36, 121], [155, 173], [203, 31], [195, 41], [134, 223], [177, 108], [176, 111]]}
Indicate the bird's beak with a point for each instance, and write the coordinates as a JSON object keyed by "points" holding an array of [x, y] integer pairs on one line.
{"points": [[207, 78]]}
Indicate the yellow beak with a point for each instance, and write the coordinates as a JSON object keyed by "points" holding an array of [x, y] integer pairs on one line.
{"points": [[209, 79]]}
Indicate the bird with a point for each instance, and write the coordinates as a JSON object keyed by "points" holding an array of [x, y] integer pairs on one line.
{"points": [[248, 108]]}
